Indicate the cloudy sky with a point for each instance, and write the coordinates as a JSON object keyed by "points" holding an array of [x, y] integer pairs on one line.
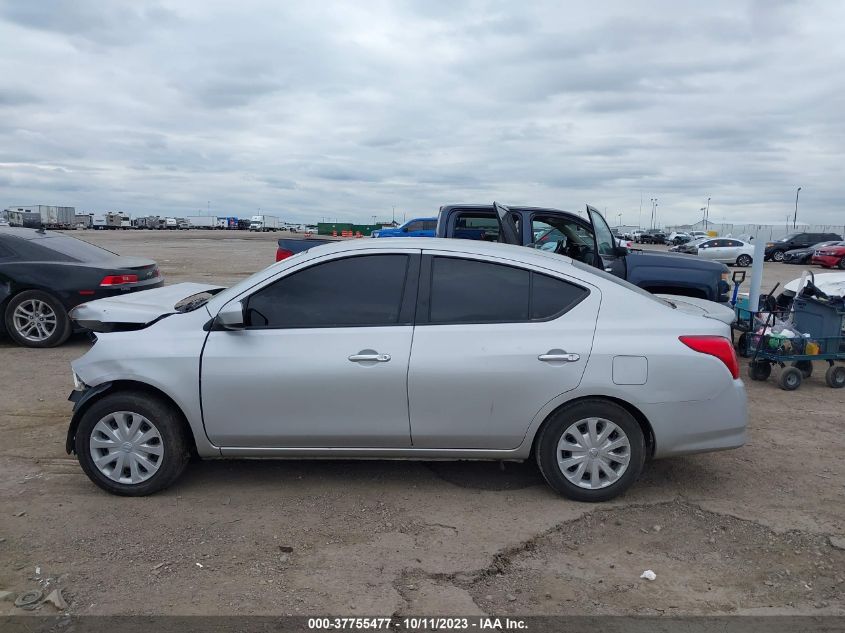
{"points": [[344, 110]]}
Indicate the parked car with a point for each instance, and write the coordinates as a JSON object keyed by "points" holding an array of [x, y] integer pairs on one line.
{"points": [[831, 256], [589, 241], [43, 275], [804, 255], [689, 247], [726, 250], [653, 236], [636, 235], [418, 227], [442, 349], [677, 238], [776, 250]]}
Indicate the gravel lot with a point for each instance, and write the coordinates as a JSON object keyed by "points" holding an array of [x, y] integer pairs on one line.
{"points": [[756, 530]]}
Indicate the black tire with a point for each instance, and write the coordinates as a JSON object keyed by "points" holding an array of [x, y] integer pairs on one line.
{"points": [[553, 430], [167, 421], [759, 370], [744, 260], [790, 378], [742, 345], [841, 264], [835, 376], [805, 367], [63, 327], [777, 256]]}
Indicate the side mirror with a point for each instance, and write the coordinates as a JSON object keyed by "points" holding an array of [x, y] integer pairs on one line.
{"points": [[231, 316]]}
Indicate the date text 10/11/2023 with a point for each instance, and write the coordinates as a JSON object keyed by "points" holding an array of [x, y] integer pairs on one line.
{"points": [[418, 623]]}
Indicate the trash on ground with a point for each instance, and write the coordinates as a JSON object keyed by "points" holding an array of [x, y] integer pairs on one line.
{"points": [[56, 598], [29, 600], [6, 595], [648, 575]]}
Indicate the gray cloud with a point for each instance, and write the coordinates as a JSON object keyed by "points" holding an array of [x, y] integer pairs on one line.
{"points": [[344, 110]]}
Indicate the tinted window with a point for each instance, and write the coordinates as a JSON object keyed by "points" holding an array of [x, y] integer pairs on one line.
{"points": [[733, 243], [63, 248], [354, 291], [414, 226], [430, 225], [467, 291], [551, 296], [480, 225]]}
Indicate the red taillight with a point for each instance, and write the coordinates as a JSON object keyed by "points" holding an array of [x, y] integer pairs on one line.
{"points": [[282, 253], [717, 346], [118, 280]]}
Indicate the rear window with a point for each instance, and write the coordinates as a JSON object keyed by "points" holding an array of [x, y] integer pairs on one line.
{"points": [[69, 248]]}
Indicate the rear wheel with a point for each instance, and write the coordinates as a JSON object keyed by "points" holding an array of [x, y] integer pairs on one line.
{"points": [[805, 367], [790, 378], [591, 451], [37, 319], [132, 444], [841, 264], [777, 256], [758, 370], [744, 261], [835, 376]]}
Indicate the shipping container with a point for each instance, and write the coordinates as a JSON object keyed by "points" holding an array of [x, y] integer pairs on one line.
{"points": [[202, 221]]}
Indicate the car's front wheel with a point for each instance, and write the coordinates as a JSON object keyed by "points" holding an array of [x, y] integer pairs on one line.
{"points": [[592, 450], [777, 256], [132, 443], [37, 319], [841, 264]]}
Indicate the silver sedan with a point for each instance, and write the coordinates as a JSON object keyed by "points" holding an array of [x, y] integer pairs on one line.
{"points": [[424, 349]]}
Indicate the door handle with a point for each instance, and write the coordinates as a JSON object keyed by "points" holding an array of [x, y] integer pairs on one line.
{"points": [[372, 358], [558, 357]]}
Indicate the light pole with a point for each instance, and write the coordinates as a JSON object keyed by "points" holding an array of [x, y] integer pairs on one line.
{"points": [[707, 214], [795, 217], [208, 207], [619, 215]]}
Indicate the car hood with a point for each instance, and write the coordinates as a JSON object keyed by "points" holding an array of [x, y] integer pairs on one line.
{"points": [[137, 308], [702, 307]]}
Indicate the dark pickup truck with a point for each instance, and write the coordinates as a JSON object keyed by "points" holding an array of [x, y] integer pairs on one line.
{"points": [[589, 241]]}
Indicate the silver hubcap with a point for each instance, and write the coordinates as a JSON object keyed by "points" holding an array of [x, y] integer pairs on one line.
{"points": [[34, 320], [126, 447], [593, 453], [778, 256]]}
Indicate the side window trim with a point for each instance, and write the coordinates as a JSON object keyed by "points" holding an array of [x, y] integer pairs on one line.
{"points": [[423, 308], [407, 305]]}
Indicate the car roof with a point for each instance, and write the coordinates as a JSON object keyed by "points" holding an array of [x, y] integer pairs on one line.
{"points": [[470, 247]]}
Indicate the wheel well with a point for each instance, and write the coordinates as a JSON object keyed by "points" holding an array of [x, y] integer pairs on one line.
{"points": [[638, 415], [128, 385]]}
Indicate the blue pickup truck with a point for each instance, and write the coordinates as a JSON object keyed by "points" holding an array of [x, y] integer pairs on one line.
{"points": [[590, 241], [418, 227]]}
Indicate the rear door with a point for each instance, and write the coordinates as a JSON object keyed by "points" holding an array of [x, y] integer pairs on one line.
{"points": [[508, 232], [493, 343]]}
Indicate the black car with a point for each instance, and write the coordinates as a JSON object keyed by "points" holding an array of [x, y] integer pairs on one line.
{"points": [[653, 236], [803, 255], [43, 275], [776, 250]]}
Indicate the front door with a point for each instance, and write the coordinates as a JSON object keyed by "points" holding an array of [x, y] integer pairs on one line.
{"points": [[493, 344], [605, 243], [322, 361]]}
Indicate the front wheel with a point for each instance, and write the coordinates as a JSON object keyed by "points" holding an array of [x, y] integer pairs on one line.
{"points": [[790, 378], [744, 260], [37, 319], [777, 256], [841, 264], [132, 444], [591, 451]]}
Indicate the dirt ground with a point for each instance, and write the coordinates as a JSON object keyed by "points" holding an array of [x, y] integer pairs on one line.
{"points": [[759, 530]]}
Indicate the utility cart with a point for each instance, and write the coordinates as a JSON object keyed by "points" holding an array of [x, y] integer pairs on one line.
{"points": [[815, 324]]}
